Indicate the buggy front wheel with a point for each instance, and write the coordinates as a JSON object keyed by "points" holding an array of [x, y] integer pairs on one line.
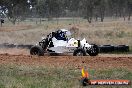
{"points": [[37, 50]]}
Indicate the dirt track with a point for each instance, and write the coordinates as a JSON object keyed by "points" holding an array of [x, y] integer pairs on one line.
{"points": [[98, 62]]}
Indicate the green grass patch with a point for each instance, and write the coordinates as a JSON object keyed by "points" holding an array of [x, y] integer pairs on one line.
{"points": [[46, 77]]}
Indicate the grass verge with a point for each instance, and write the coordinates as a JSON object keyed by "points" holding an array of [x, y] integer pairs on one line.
{"points": [[45, 77]]}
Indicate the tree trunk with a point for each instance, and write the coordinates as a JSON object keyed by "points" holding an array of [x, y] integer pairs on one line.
{"points": [[40, 20], [124, 14], [12, 20], [102, 12], [129, 16], [124, 18], [89, 15], [89, 19], [102, 18], [96, 17]]}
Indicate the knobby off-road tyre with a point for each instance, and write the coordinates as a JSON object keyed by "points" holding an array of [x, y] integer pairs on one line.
{"points": [[94, 51], [37, 50], [79, 52]]}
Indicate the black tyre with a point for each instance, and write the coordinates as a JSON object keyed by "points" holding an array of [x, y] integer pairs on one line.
{"points": [[106, 48], [37, 50], [123, 48], [93, 51], [79, 52]]}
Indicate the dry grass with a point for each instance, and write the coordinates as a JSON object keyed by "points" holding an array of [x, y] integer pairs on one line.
{"points": [[110, 32], [13, 76]]}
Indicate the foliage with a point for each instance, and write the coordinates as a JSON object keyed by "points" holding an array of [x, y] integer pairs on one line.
{"points": [[14, 9], [88, 9]]}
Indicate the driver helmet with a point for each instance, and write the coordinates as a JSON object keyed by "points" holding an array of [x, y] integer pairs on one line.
{"points": [[66, 32]]}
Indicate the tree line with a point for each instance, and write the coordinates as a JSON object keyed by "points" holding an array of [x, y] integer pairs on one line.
{"points": [[88, 9]]}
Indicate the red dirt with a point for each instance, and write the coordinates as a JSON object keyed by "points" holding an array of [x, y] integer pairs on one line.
{"points": [[97, 62], [14, 51]]}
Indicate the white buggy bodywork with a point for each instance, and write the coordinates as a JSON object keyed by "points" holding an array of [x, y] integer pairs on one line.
{"points": [[61, 46], [62, 42]]}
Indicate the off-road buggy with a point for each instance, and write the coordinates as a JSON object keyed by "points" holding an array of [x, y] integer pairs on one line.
{"points": [[60, 41]]}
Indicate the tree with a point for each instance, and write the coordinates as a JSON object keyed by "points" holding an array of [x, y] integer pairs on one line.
{"points": [[102, 9], [88, 6], [129, 6], [14, 9], [41, 8], [99, 10], [53, 8]]}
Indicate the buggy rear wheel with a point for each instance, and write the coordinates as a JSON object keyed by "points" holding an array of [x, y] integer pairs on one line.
{"points": [[94, 50], [37, 50], [79, 52]]}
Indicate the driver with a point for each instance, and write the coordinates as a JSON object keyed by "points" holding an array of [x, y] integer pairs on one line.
{"points": [[60, 35]]}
